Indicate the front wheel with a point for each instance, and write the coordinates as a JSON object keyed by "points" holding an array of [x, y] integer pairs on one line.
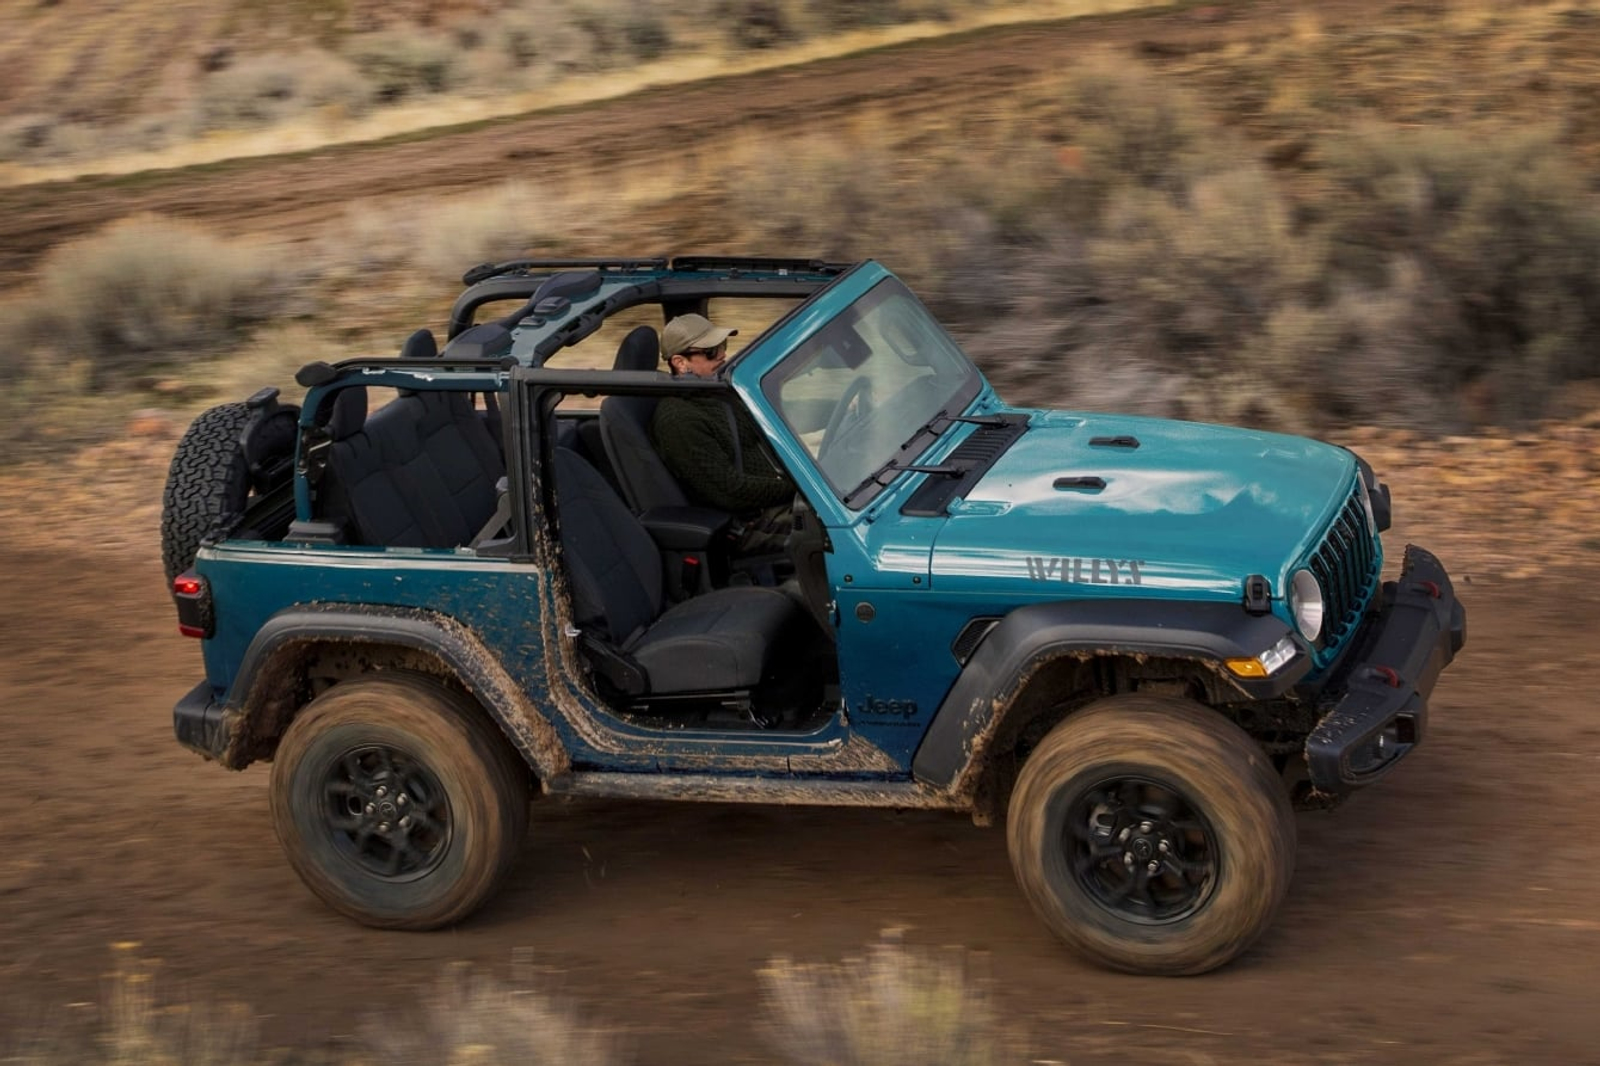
{"points": [[1152, 835], [398, 803]]}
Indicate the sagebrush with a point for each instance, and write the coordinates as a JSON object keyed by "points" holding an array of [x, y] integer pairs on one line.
{"points": [[894, 1004]]}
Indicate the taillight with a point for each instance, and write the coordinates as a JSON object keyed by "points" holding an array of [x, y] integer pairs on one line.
{"points": [[193, 597]]}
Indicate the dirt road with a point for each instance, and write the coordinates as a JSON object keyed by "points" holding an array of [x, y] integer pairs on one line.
{"points": [[1446, 916]]}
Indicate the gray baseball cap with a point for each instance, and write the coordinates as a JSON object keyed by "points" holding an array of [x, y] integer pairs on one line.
{"points": [[692, 331]]}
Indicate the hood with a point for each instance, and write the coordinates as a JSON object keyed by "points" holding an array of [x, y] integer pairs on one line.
{"points": [[1187, 507]]}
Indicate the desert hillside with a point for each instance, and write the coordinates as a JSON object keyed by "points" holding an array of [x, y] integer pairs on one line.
{"points": [[1375, 221], [97, 85]]}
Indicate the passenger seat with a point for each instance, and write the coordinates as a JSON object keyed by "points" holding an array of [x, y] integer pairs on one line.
{"points": [[420, 472]]}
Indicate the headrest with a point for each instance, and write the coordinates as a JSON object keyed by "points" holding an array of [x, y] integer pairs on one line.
{"points": [[569, 283], [486, 340], [420, 345], [349, 412], [639, 350]]}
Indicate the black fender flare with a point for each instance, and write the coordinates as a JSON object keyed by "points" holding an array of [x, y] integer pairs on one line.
{"points": [[256, 708], [1208, 632]]}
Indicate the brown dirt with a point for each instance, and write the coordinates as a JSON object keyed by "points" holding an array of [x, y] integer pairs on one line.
{"points": [[1443, 917], [1446, 915]]}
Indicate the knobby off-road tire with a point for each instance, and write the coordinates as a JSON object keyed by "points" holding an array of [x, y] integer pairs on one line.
{"points": [[207, 485], [398, 802], [1152, 835]]}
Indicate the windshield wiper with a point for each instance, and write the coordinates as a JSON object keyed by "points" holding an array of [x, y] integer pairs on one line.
{"points": [[971, 420], [893, 467], [941, 421]]}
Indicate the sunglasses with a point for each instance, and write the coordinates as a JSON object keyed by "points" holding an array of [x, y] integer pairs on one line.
{"points": [[707, 353]]}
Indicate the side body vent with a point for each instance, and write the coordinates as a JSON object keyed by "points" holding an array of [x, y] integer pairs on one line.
{"points": [[970, 637]]}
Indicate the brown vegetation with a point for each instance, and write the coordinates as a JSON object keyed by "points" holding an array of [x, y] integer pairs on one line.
{"points": [[1286, 220], [892, 1005], [95, 79], [1103, 237]]}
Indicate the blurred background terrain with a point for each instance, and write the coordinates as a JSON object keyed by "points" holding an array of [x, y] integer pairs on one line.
{"points": [[1374, 221]]}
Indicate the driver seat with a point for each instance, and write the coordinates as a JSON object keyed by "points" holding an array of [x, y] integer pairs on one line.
{"points": [[725, 642], [642, 476]]}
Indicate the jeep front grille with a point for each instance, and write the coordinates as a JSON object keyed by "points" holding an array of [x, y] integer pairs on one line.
{"points": [[1346, 565]]}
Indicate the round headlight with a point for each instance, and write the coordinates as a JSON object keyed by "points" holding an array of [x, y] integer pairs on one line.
{"points": [[1305, 600], [1366, 507]]}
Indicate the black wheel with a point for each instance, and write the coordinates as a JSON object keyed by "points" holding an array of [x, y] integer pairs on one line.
{"points": [[207, 485], [398, 802], [1152, 835]]}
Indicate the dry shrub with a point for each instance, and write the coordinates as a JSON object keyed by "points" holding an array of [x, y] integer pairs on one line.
{"points": [[1436, 280], [1189, 285], [147, 292], [1365, 357], [1135, 129], [505, 222], [371, 238], [139, 1030], [838, 196], [23, 136], [756, 24], [1109, 245], [271, 356], [474, 1020], [35, 138], [1497, 236], [271, 88], [133, 1028], [469, 1020], [20, 330], [536, 43], [622, 30], [405, 62], [828, 15], [888, 1007]]}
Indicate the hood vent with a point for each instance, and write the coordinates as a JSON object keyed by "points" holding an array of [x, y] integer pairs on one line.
{"points": [[974, 457]]}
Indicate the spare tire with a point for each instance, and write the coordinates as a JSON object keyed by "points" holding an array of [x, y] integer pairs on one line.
{"points": [[207, 485]]}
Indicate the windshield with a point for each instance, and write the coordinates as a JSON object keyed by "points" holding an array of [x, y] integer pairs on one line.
{"points": [[861, 390]]}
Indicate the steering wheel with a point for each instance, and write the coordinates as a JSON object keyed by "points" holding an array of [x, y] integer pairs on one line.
{"points": [[859, 393]]}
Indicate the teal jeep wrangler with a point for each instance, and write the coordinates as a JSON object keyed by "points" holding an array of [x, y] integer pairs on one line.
{"points": [[452, 579]]}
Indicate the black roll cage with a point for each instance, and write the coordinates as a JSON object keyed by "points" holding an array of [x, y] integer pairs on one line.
{"points": [[754, 276]]}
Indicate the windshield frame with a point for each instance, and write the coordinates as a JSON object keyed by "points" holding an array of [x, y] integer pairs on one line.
{"points": [[855, 483]]}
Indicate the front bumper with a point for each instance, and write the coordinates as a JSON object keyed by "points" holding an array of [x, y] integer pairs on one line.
{"points": [[1415, 632]]}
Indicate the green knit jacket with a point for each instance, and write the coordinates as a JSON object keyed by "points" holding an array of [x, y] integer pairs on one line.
{"points": [[694, 437]]}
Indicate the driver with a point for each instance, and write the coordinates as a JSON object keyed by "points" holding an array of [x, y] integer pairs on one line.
{"points": [[714, 448]]}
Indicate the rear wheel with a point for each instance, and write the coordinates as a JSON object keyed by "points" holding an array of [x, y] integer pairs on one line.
{"points": [[398, 802], [1152, 835]]}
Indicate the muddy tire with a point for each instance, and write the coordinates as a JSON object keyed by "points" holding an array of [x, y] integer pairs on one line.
{"points": [[398, 802], [1152, 835], [207, 485]]}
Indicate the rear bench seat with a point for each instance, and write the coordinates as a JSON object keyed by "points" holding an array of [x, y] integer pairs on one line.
{"points": [[419, 473]]}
